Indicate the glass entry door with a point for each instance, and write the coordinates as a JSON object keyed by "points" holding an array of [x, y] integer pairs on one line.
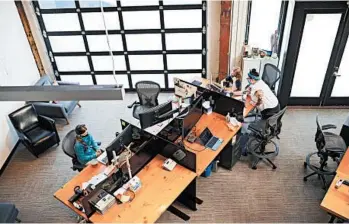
{"points": [[315, 70]]}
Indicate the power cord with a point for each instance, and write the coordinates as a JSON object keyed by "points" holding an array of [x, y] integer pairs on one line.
{"points": [[108, 41]]}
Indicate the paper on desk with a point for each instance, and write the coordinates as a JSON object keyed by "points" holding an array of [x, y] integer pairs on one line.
{"points": [[95, 180]]}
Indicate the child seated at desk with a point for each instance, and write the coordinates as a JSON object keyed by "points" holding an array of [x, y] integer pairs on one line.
{"points": [[86, 148]]}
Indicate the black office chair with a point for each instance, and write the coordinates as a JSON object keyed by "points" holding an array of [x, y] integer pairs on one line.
{"points": [[262, 133], [36, 132], [328, 145], [68, 149], [271, 75], [148, 93]]}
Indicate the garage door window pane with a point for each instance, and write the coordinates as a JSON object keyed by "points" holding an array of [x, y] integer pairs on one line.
{"points": [[146, 62], [139, 2], [99, 42], [183, 18], [94, 21], [184, 61], [187, 77], [143, 42], [82, 79], [94, 4], [58, 4], [67, 44], [78, 63], [141, 20], [182, 2], [104, 63], [109, 80], [175, 41], [61, 22], [158, 78]]}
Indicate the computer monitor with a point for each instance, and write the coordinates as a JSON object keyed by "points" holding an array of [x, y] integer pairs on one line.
{"points": [[153, 115], [117, 145], [224, 105], [192, 117]]}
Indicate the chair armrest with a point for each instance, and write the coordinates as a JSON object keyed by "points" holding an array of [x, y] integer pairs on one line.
{"points": [[47, 123], [23, 137], [64, 83], [328, 126], [51, 110], [134, 103]]}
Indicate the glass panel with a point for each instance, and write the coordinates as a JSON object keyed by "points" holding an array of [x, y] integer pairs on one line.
{"points": [[139, 2], [109, 80], [159, 78], [146, 62], [61, 22], [184, 61], [143, 42], [94, 21], [188, 76], [99, 42], [90, 3], [264, 22], [182, 2], [141, 20], [78, 63], [82, 79], [340, 88], [183, 18], [56, 4], [67, 44], [191, 41], [104, 63], [315, 50]]}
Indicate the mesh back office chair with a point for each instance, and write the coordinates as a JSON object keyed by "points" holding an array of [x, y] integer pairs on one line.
{"points": [[271, 75], [68, 149], [328, 144], [262, 133], [148, 93]]}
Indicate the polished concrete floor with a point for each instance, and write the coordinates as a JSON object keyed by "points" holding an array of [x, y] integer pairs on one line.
{"points": [[240, 195]]}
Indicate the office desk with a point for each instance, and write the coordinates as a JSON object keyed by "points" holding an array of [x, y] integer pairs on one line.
{"points": [[336, 201], [160, 188], [218, 126], [67, 189]]}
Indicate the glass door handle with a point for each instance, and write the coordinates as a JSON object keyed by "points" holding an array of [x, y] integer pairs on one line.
{"points": [[335, 73]]}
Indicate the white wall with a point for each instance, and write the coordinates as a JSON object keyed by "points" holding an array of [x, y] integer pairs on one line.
{"points": [[17, 67], [213, 33]]}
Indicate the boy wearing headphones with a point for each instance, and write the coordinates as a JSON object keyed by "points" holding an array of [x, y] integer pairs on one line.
{"points": [[86, 148], [261, 94]]}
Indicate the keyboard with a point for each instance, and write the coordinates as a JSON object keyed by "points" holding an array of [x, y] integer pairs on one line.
{"points": [[211, 142]]}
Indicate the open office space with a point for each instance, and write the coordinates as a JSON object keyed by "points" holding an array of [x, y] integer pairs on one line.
{"points": [[169, 111]]}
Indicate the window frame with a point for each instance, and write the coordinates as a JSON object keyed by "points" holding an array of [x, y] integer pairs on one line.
{"points": [[125, 52]]}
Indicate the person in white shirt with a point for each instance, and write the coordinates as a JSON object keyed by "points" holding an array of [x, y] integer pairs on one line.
{"points": [[265, 100]]}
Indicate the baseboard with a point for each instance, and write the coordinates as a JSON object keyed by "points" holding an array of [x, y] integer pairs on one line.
{"points": [[9, 157]]}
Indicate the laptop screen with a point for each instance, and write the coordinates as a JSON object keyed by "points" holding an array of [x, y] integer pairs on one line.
{"points": [[205, 136]]}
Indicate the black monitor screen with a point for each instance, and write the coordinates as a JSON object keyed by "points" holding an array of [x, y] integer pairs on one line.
{"points": [[124, 138], [151, 117], [192, 118]]}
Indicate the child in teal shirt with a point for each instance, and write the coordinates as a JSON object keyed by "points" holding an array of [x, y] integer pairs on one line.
{"points": [[86, 148]]}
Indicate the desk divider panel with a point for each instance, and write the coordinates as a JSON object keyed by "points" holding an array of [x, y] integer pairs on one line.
{"points": [[166, 148]]}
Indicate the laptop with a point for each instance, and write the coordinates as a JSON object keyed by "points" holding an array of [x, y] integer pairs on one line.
{"points": [[102, 158], [209, 141]]}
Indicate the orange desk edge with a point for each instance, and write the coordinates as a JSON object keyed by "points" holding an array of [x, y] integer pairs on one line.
{"points": [[336, 201]]}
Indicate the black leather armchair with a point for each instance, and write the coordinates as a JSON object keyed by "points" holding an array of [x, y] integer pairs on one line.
{"points": [[38, 133]]}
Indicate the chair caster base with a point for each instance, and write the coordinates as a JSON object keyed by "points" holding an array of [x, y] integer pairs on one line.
{"points": [[305, 179], [274, 167], [305, 165], [254, 168]]}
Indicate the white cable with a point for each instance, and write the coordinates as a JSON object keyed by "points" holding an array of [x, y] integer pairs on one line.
{"points": [[108, 42]]}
